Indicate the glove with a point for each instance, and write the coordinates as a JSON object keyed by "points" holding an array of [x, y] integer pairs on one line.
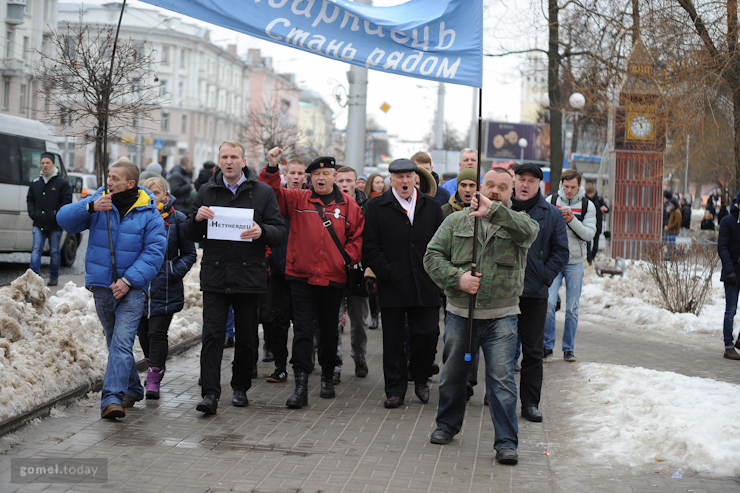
{"points": [[731, 279], [369, 284]]}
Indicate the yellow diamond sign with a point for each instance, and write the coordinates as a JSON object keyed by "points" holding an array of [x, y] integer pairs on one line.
{"points": [[385, 107]]}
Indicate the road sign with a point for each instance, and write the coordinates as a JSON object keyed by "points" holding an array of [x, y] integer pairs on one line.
{"points": [[385, 107], [158, 144]]}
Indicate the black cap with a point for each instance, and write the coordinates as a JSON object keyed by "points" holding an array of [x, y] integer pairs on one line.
{"points": [[49, 155], [402, 166], [529, 168], [209, 165], [321, 162]]}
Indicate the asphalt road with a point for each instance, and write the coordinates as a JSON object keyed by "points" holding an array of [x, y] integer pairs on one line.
{"points": [[13, 265]]}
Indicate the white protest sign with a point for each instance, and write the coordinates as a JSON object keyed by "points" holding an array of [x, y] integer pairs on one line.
{"points": [[229, 222]]}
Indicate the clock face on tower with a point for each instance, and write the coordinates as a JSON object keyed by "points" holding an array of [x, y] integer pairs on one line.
{"points": [[640, 127]]}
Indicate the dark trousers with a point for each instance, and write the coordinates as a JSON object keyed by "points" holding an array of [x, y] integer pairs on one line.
{"points": [[152, 334], [215, 311], [264, 318], [423, 334], [315, 303], [280, 316], [592, 247], [532, 334]]}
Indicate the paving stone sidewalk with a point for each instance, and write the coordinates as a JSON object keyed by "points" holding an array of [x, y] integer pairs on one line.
{"points": [[350, 443]]}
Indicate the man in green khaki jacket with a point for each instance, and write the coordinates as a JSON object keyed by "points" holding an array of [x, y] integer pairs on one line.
{"points": [[504, 236]]}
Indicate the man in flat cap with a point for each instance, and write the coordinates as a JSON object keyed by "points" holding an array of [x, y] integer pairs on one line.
{"points": [[326, 225], [399, 224], [547, 257]]}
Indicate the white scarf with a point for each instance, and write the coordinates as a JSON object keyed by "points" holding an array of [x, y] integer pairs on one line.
{"points": [[408, 205]]}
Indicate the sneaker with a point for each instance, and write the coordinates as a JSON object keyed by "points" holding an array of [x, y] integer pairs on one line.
{"points": [[52, 282], [361, 368], [336, 378], [569, 356], [279, 375]]}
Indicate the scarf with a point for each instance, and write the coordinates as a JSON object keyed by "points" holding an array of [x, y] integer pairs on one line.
{"points": [[525, 205], [456, 203], [165, 209], [409, 206], [51, 174], [124, 200]]}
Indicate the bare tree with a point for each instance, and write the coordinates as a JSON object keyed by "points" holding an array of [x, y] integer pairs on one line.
{"points": [[452, 140], [270, 126], [76, 87]]}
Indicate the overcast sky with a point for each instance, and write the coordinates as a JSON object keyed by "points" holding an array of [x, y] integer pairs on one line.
{"points": [[412, 101]]}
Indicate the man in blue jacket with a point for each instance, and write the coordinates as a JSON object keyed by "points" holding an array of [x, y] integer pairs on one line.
{"points": [[139, 244], [728, 247], [546, 258]]}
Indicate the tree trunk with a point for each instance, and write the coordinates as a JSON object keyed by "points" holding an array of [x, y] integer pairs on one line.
{"points": [[99, 158], [553, 90]]}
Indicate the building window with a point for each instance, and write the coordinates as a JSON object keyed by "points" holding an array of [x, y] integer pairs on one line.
{"points": [[6, 94], [184, 125], [163, 87], [183, 58], [25, 47], [70, 47], [9, 44], [22, 98], [165, 122], [165, 54], [181, 90]]}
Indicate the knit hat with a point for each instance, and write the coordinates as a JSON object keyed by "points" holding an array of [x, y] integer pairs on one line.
{"points": [[737, 198], [467, 174], [47, 155], [154, 168]]}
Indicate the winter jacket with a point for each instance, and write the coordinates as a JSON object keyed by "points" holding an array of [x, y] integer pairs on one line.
{"points": [[722, 213], [598, 201], [442, 194], [180, 181], [236, 266], [579, 232], [44, 200], [502, 256], [686, 216], [454, 204], [728, 242], [394, 249], [707, 224], [312, 255], [139, 240], [361, 199], [166, 293], [674, 222], [549, 253], [204, 177]]}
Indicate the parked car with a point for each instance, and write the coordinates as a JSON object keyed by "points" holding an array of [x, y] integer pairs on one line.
{"points": [[83, 184], [21, 143]]}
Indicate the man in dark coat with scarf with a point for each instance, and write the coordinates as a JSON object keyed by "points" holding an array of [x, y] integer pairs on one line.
{"points": [[728, 247], [547, 256], [398, 226], [233, 273]]}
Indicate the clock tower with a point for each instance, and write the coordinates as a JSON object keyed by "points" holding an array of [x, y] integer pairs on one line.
{"points": [[636, 173]]}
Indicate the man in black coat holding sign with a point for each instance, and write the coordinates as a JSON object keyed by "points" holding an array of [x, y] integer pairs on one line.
{"points": [[398, 226], [233, 273]]}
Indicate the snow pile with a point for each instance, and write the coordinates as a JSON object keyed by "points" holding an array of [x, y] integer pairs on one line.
{"points": [[51, 345], [634, 300], [47, 346], [638, 416]]}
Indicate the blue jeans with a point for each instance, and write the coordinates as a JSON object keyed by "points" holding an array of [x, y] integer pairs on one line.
{"points": [[39, 238], [731, 295], [120, 320], [230, 323], [573, 274], [497, 338]]}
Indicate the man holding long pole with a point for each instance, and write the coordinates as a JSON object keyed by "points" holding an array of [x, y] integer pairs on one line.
{"points": [[504, 236]]}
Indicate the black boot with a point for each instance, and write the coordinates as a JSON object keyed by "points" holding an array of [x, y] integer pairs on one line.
{"points": [[300, 394], [373, 322], [327, 387]]}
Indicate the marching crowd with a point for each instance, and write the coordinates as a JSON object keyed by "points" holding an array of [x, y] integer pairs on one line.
{"points": [[321, 242]]}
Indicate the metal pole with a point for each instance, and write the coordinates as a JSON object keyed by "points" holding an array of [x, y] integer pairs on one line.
{"points": [[471, 306], [354, 147], [105, 142], [686, 176], [439, 124]]}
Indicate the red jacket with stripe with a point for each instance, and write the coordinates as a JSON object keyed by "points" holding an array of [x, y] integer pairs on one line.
{"points": [[312, 254]]}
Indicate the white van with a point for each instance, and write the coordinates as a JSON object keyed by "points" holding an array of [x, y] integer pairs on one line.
{"points": [[21, 143]]}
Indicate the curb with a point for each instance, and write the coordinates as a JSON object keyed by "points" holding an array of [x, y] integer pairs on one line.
{"points": [[43, 410]]}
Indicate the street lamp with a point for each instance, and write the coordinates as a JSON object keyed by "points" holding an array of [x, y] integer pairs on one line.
{"points": [[576, 101], [523, 144]]}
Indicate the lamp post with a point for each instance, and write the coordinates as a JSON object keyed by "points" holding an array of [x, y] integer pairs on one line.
{"points": [[522, 144], [576, 101]]}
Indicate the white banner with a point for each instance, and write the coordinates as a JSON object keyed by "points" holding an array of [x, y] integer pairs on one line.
{"points": [[229, 222]]}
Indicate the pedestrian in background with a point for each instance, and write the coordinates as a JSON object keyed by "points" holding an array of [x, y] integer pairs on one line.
{"points": [[166, 294], [601, 209], [181, 184], [728, 247], [205, 174], [47, 194]]}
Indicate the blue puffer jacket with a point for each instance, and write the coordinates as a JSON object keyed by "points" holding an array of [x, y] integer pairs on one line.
{"points": [[728, 242], [139, 240], [166, 293], [549, 253]]}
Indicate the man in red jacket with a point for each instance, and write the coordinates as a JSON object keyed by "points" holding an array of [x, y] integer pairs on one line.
{"points": [[315, 266]]}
